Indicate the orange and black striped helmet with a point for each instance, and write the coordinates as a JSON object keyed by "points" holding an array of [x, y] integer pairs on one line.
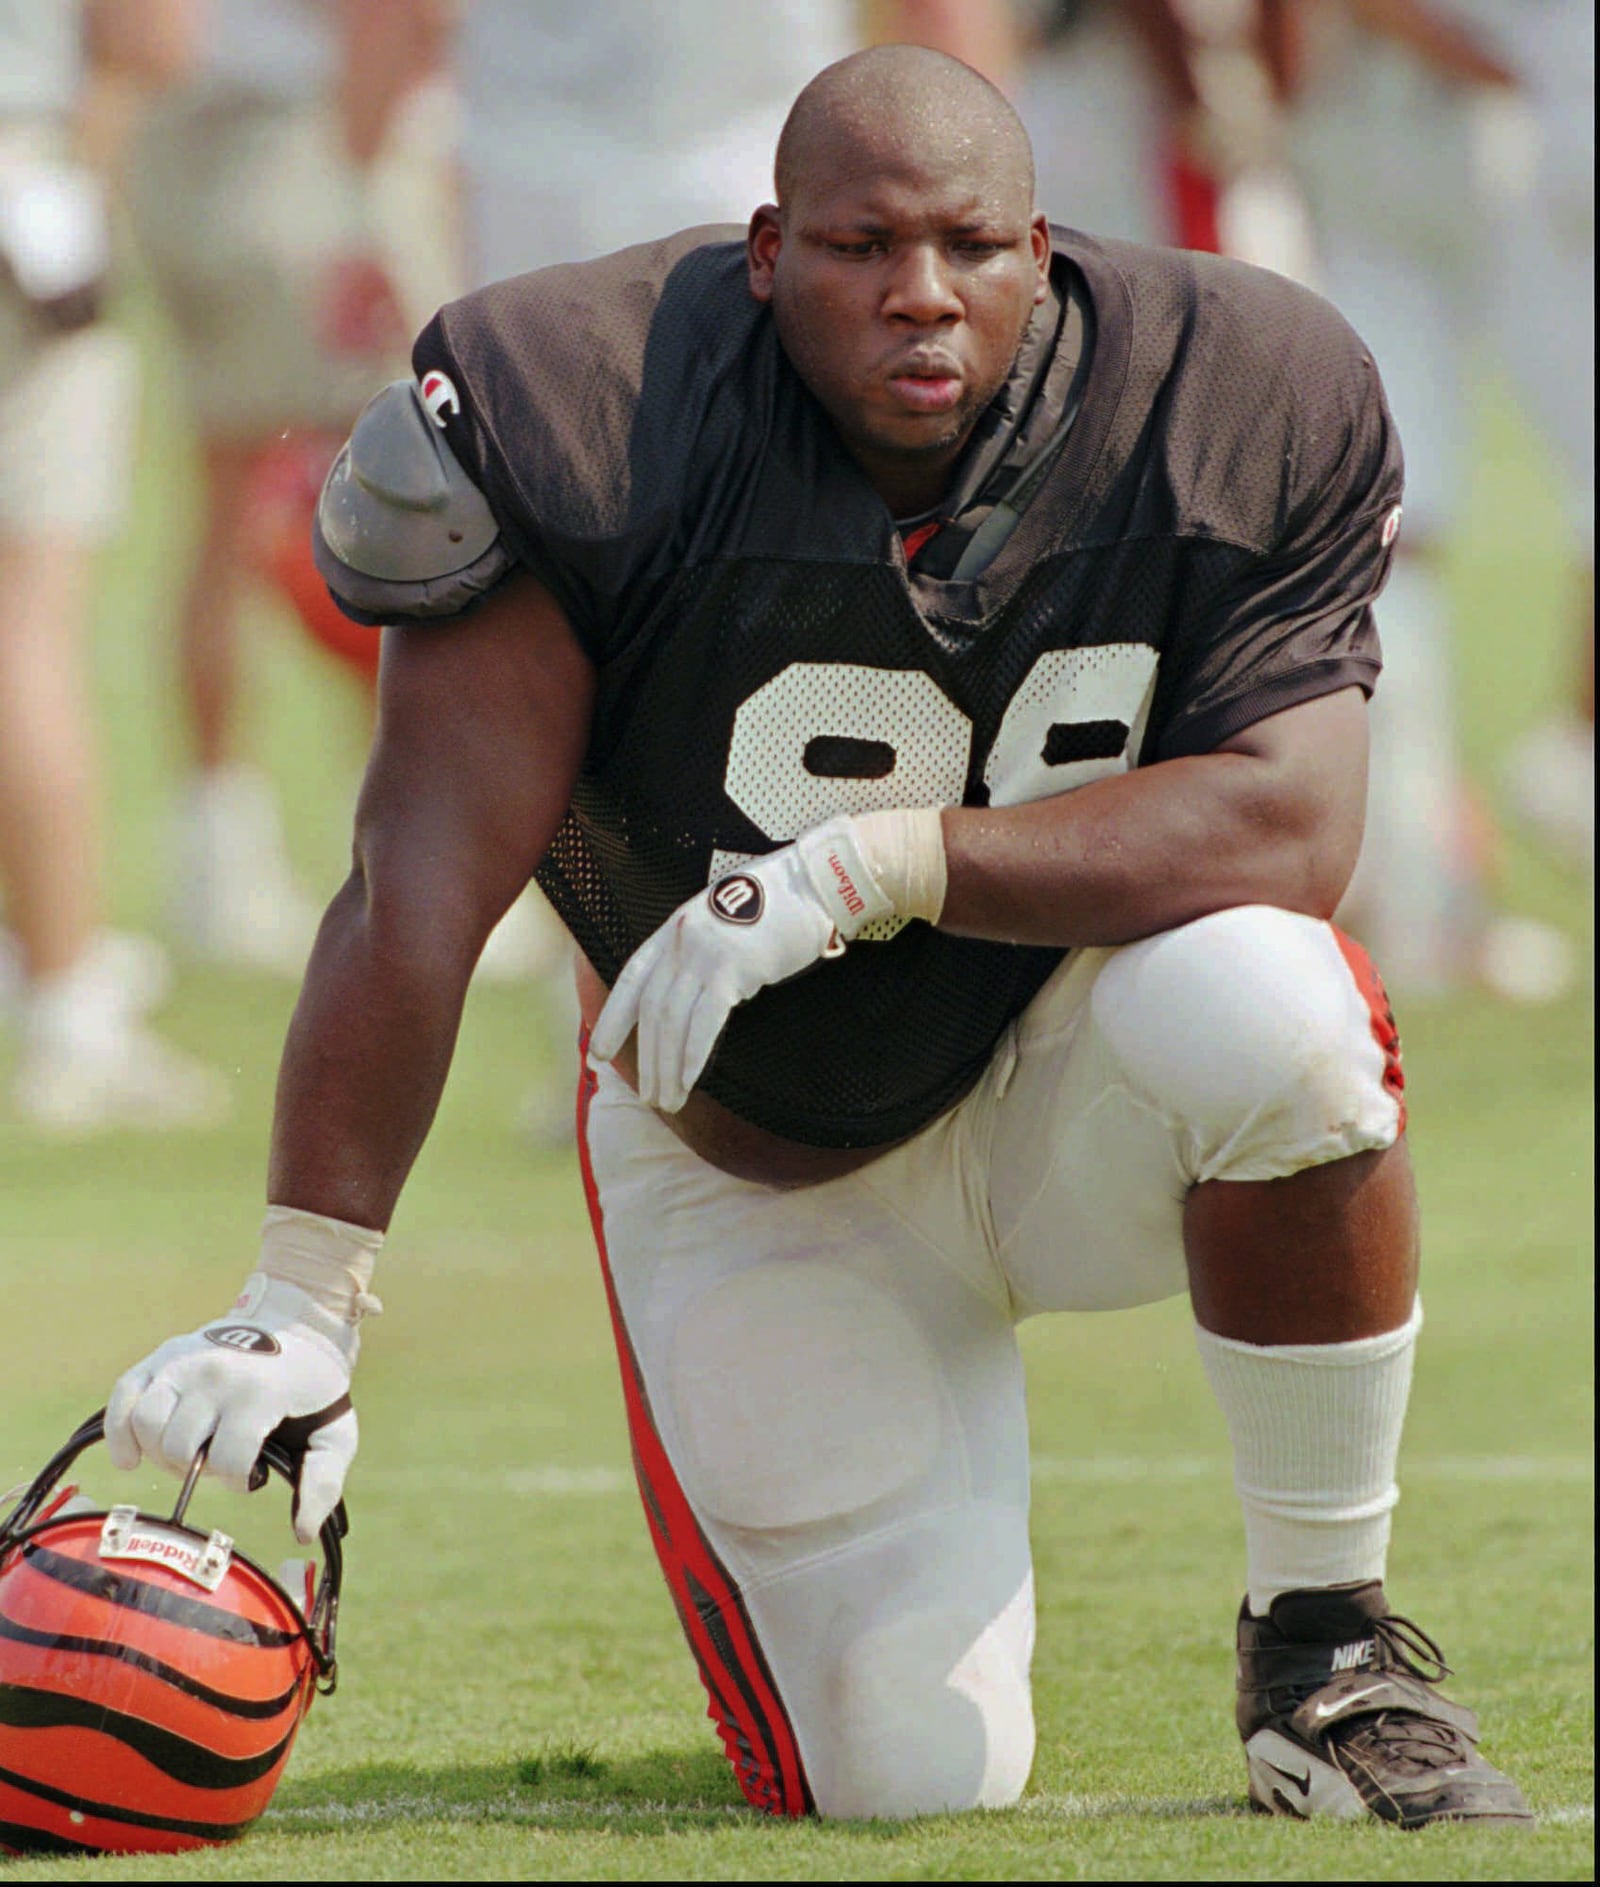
{"points": [[152, 1677]]}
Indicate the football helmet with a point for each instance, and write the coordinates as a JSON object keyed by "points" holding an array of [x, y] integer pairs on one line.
{"points": [[152, 1677]]}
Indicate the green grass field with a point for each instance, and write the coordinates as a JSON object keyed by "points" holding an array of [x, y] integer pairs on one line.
{"points": [[516, 1699]]}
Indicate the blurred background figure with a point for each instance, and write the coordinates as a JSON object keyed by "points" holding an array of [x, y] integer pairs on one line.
{"points": [[586, 128], [255, 197], [1447, 150], [1423, 165], [1164, 121], [68, 393]]}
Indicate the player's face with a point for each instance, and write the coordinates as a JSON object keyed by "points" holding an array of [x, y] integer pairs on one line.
{"points": [[902, 288]]}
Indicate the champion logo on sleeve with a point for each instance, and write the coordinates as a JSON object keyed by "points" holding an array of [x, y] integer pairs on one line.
{"points": [[439, 396]]}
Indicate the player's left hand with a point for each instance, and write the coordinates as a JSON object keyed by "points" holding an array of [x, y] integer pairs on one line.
{"points": [[761, 924]]}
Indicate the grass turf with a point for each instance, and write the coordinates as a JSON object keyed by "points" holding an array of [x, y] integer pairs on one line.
{"points": [[517, 1701]]}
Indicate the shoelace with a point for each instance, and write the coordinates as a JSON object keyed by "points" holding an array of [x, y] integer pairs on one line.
{"points": [[1401, 1737], [1404, 1644]]}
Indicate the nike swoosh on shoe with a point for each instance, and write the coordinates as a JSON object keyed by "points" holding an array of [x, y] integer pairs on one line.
{"points": [[1321, 1710], [1302, 1783]]}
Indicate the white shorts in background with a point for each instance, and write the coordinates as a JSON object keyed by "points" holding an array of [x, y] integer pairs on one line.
{"points": [[242, 204], [68, 399], [66, 434], [824, 1388]]}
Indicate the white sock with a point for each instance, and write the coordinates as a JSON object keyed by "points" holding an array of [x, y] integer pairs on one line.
{"points": [[1316, 1432]]}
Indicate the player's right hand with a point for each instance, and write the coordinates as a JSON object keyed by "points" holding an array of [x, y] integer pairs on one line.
{"points": [[276, 1356]]}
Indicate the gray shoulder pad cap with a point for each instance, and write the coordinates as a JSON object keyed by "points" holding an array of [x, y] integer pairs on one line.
{"points": [[402, 533]]}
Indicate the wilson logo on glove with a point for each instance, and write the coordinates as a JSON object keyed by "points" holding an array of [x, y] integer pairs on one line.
{"points": [[854, 903], [738, 899], [244, 1337]]}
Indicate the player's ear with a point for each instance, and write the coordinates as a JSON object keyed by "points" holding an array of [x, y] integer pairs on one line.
{"points": [[761, 247], [1039, 236]]}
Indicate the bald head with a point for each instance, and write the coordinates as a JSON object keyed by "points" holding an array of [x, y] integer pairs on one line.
{"points": [[904, 102]]}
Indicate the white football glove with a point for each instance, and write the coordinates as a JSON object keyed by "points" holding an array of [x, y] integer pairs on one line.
{"points": [[761, 924], [282, 1353]]}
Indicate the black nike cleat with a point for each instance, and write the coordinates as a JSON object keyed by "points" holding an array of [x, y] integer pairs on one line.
{"points": [[1339, 1717]]}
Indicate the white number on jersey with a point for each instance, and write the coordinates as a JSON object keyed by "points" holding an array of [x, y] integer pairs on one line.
{"points": [[823, 738]]}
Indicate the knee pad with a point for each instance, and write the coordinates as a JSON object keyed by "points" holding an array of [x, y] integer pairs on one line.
{"points": [[802, 1394], [1262, 1036], [930, 1712]]}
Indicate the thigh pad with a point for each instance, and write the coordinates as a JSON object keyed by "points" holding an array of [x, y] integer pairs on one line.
{"points": [[802, 1393]]}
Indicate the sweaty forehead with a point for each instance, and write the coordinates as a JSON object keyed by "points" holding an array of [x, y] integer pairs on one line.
{"points": [[914, 142], [944, 174]]}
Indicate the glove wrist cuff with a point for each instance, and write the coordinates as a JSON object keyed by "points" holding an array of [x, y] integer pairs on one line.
{"points": [[903, 850], [331, 1260], [845, 884]]}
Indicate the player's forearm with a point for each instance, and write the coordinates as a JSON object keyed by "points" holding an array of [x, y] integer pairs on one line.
{"points": [[1164, 32], [367, 1054], [980, 33], [389, 47], [1445, 44], [1139, 853], [156, 44]]}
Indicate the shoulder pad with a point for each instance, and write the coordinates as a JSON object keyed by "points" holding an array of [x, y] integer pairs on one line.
{"points": [[402, 533]]}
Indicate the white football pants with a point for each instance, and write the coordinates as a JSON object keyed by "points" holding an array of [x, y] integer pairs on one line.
{"points": [[824, 1388]]}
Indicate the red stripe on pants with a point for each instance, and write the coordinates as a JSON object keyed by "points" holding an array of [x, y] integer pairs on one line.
{"points": [[1384, 1029], [745, 1705]]}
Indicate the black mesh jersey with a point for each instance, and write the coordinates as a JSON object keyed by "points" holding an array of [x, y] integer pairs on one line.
{"points": [[1202, 502]]}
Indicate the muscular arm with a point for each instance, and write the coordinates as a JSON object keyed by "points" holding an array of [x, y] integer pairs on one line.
{"points": [[481, 728], [1272, 817]]}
